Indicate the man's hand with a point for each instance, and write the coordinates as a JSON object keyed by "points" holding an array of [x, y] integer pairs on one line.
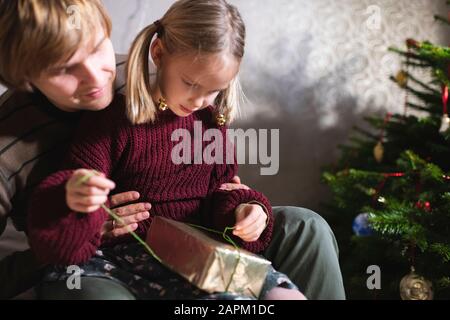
{"points": [[130, 214], [234, 184], [251, 221]]}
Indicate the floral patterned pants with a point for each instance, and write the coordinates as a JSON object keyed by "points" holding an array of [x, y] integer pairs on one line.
{"points": [[146, 278]]}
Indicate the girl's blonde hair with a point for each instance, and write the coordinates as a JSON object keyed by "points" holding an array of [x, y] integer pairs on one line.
{"points": [[189, 26], [37, 34]]}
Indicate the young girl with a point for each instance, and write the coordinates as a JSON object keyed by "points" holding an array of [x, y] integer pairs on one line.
{"points": [[197, 52]]}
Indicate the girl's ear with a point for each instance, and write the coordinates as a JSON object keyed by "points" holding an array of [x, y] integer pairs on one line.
{"points": [[156, 52]]}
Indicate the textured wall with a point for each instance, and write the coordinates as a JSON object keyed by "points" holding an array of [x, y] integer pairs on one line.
{"points": [[312, 69]]}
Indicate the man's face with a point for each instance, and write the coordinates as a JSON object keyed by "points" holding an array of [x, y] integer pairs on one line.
{"points": [[86, 81]]}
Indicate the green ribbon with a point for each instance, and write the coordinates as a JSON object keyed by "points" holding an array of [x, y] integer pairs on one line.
{"points": [[226, 237], [229, 240], [117, 218]]}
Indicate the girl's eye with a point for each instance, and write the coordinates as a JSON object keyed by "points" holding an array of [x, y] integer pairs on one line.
{"points": [[189, 84]]}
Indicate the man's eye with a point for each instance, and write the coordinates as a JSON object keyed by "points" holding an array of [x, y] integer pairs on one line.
{"points": [[99, 48], [59, 71]]}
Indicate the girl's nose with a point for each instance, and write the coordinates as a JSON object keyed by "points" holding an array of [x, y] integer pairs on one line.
{"points": [[197, 102]]}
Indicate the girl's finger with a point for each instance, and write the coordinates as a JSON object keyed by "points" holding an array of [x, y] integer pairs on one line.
{"points": [[248, 231], [85, 190], [250, 238], [82, 172], [91, 200], [83, 208], [100, 182], [255, 235], [251, 218]]}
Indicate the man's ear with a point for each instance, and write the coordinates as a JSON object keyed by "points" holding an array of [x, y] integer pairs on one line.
{"points": [[27, 86], [156, 52]]}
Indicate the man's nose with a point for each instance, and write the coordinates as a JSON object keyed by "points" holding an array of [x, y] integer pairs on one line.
{"points": [[91, 74]]}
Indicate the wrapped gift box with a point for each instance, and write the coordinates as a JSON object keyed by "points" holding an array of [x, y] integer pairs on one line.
{"points": [[209, 264]]}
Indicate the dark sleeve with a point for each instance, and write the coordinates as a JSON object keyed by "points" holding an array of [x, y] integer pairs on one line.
{"points": [[222, 204], [18, 272], [57, 234]]}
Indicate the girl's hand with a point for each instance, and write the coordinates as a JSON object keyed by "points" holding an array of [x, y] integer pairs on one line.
{"points": [[88, 196], [251, 221]]}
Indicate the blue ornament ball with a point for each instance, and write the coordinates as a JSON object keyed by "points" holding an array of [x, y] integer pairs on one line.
{"points": [[361, 225]]}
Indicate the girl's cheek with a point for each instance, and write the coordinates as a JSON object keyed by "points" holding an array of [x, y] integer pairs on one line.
{"points": [[212, 99]]}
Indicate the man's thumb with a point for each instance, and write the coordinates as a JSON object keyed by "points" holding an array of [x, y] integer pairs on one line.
{"points": [[236, 179]]}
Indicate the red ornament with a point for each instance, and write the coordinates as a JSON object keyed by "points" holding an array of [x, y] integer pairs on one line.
{"points": [[424, 205], [412, 43], [444, 99]]}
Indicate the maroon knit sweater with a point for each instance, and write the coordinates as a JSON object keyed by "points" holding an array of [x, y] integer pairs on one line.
{"points": [[135, 157]]}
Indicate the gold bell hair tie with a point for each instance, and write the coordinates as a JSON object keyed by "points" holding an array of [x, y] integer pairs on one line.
{"points": [[162, 104]]}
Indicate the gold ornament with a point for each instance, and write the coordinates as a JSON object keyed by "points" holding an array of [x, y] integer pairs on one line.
{"points": [[401, 78], [415, 287], [378, 152], [221, 120], [162, 105], [445, 123]]}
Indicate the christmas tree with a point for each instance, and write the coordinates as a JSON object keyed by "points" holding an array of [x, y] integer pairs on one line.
{"points": [[392, 184]]}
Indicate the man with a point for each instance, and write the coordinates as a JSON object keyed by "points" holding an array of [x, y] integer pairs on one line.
{"points": [[57, 60]]}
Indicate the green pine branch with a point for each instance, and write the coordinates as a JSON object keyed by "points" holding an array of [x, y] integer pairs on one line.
{"points": [[427, 87], [409, 210], [442, 250]]}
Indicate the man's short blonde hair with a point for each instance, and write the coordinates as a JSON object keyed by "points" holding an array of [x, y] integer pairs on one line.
{"points": [[38, 34]]}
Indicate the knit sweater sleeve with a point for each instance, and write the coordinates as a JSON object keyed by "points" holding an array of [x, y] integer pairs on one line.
{"points": [[57, 234], [222, 204]]}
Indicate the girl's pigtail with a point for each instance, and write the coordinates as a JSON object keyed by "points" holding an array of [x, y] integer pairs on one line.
{"points": [[140, 105], [228, 102]]}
